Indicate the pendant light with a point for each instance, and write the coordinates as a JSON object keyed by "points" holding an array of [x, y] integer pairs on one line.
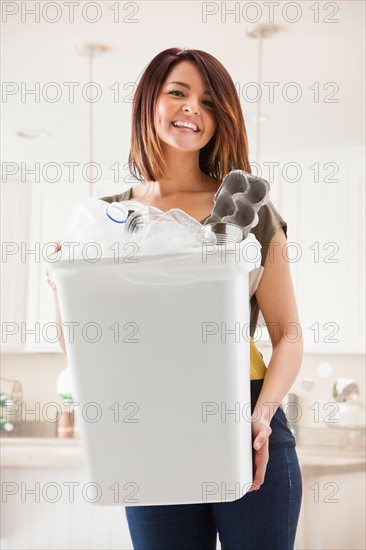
{"points": [[259, 32], [91, 51]]}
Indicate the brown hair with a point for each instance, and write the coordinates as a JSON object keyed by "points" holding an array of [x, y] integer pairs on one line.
{"points": [[227, 150]]}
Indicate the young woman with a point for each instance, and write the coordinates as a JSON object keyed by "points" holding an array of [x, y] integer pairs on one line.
{"points": [[188, 132]]}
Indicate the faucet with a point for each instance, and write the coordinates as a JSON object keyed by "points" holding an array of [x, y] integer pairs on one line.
{"points": [[345, 389]]}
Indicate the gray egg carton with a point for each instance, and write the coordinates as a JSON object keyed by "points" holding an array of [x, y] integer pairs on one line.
{"points": [[238, 200]]}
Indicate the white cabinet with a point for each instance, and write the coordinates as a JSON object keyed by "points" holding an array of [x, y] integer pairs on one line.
{"points": [[15, 223], [323, 206], [48, 500], [33, 218], [51, 206], [333, 507]]}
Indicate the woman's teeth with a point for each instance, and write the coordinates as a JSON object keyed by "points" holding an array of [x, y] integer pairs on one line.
{"points": [[185, 126]]}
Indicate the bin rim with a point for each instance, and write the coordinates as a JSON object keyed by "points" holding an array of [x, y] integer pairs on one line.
{"points": [[143, 256]]}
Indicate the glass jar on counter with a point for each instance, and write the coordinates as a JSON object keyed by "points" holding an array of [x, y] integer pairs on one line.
{"points": [[66, 424]]}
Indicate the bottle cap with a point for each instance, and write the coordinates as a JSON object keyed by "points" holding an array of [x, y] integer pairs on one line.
{"points": [[117, 212]]}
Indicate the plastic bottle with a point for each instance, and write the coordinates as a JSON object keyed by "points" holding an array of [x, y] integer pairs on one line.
{"points": [[159, 232], [93, 229]]}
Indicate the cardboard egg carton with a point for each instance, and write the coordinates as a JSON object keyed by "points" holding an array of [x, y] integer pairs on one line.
{"points": [[238, 200]]}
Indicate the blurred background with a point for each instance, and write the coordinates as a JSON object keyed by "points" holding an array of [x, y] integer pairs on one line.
{"points": [[299, 72]]}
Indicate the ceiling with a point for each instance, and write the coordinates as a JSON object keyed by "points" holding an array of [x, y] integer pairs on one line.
{"points": [[304, 52]]}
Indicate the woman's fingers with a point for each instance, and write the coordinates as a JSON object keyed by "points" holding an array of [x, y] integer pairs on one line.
{"points": [[261, 453], [57, 247], [262, 437], [260, 465], [50, 282]]}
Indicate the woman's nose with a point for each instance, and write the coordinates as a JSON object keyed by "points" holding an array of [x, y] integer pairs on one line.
{"points": [[191, 105]]}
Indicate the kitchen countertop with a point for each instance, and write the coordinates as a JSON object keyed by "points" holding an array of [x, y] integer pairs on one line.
{"points": [[41, 452], [331, 459]]}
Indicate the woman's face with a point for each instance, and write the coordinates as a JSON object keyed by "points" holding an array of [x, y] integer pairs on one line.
{"points": [[185, 102]]}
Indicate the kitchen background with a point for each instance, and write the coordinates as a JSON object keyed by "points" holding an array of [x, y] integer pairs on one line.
{"points": [[306, 135]]}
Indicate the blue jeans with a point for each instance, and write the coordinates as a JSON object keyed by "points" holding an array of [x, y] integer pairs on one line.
{"points": [[265, 519]]}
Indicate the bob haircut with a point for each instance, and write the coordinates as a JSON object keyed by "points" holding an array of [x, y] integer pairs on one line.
{"points": [[227, 150]]}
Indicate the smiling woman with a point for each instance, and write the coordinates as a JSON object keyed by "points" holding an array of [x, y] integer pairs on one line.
{"points": [[188, 132], [187, 86]]}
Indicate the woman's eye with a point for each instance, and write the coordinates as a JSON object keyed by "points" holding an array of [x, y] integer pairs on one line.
{"points": [[175, 92], [209, 103]]}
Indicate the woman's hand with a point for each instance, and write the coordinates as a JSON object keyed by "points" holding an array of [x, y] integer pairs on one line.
{"points": [[57, 247], [261, 431], [50, 282], [57, 305]]}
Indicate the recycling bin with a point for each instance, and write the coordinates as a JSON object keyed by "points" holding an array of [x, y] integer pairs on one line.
{"points": [[158, 347]]}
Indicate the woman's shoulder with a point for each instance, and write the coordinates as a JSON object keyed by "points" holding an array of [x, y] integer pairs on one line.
{"points": [[125, 196], [270, 221]]}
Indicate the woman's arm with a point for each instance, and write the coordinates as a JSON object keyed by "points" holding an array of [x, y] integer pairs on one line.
{"points": [[59, 320], [276, 299], [57, 305]]}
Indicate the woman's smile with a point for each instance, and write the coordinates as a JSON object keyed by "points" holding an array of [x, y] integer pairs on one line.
{"points": [[185, 130]]}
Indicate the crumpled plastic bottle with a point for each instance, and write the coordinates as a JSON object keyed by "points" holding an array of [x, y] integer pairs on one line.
{"points": [[96, 227], [158, 231]]}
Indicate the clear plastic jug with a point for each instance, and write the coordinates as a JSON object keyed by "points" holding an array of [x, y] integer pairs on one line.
{"points": [[93, 229]]}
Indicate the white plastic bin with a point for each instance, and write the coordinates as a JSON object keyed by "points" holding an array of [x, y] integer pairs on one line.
{"points": [[158, 347]]}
